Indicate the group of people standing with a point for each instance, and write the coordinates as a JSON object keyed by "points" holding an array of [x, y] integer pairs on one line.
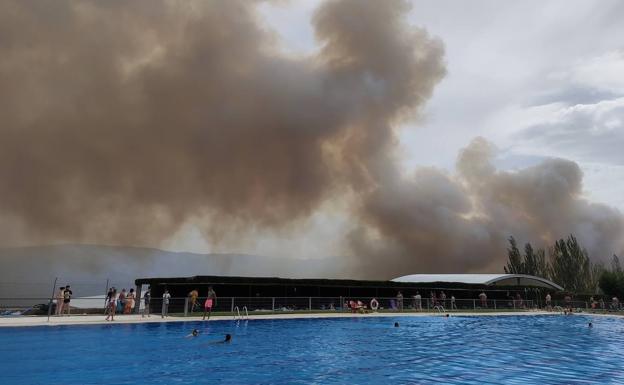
{"points": [[122, 302], [209, 303], [63, 300], [125, 302], [437, 299]]}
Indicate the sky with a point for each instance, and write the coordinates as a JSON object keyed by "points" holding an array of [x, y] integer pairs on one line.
{"points": [[537, 79], [396, 135]]}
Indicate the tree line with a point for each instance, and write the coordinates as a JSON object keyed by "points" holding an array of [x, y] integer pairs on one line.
{"points": [[568, 264]]}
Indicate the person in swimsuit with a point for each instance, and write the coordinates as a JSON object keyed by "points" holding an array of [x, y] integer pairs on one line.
{"points": [[211, 300], [147, 297], [193, 334], [111, 306], [67, 293], [59, 301], [193, 299], [226, 340], [129, 306]]}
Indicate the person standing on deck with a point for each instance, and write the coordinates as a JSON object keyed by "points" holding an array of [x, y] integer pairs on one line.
{"points": [[418, 299], [108, 298], [483, 298], [165, 303], [211, 300], [121, 301], [400, 301], [453, 306], [59, 301], [111, 305], [67, 293], [129, 307], [193, 299], [434, 300], [147, 297], [548, 302], [443, 299]]}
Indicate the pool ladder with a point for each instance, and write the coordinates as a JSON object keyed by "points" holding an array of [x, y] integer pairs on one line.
{"points": [[440, 308], [238, 315]]}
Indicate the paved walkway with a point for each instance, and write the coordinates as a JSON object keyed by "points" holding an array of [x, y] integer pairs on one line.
{"points": [[129, 319]]}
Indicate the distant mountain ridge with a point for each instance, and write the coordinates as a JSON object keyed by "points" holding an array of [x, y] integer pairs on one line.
{"points": [[31, 270]]}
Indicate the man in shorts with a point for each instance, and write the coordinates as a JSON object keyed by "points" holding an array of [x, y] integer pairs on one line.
{"points": [[211, 300], [147, 297], [548, 302], [67, 293], [165, 303], [193, 299]]}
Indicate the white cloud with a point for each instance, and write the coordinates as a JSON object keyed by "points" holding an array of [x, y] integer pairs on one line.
{"points": [[604, 72]]}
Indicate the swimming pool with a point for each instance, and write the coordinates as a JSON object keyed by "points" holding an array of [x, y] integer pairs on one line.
{"points": [[423, 350]]}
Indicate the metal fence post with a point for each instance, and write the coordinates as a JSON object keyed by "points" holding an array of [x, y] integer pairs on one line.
{"points": [[137, 299], [474, 304], [52, 299], [186, 306], [273, 304], [494, 304], [232, 310], [310, 303], [105, 298]]}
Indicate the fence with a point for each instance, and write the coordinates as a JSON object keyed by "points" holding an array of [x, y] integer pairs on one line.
{"points": [[184, 306]]}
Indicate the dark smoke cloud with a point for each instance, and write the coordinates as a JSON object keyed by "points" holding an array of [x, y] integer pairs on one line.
{"points": [[436, 222], [121, 121]]}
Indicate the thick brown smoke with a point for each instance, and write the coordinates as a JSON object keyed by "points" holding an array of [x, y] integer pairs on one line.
{"points": [[120, 121], [436, 222]]}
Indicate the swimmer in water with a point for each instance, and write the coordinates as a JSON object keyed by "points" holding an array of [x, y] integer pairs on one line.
{"points": [[193, 334], [447, 315], [590, 325], [396, 324], [227, 339]]}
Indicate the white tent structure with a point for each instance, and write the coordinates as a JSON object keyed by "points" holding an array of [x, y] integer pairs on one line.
{"points": [[481, 279]]}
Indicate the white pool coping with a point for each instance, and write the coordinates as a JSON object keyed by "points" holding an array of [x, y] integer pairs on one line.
{"points": [[137, 319]]}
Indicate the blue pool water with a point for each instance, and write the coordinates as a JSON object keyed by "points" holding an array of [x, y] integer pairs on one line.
{"points": [[423, 350]]}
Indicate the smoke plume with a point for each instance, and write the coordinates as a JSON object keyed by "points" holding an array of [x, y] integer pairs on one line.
{"points": [[433, 221], [122, 121]]}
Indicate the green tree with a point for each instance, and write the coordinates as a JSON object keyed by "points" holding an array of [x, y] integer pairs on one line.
{"points": [[514, 264], [530, 265], [570, 266], [611, 282], [543, 269]]}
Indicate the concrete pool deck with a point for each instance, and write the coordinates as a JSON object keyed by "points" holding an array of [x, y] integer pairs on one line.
{"points": [[21, 321]]}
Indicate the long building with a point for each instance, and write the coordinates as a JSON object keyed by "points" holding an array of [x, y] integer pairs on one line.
{"points": [[256, 292]]}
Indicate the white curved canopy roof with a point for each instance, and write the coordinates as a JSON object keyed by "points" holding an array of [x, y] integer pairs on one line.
{"points": [[481, 279]]}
